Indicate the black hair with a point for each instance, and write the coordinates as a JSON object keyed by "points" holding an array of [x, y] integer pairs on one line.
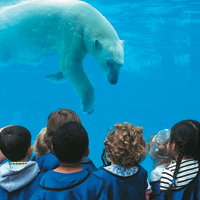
{"points": [[70, 141], [187, 140], [14, 142]]}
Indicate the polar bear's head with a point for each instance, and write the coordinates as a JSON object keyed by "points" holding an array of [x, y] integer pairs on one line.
{"points": [[110, 57]]}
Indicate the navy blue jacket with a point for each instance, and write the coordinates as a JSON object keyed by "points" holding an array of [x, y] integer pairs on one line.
{"points": [[190, 192], [49, 162], [24, 193], [121, 187], [155, 187], [80, 185]]}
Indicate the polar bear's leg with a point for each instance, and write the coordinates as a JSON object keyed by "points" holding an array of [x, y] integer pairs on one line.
{"points": [[72, 70]]}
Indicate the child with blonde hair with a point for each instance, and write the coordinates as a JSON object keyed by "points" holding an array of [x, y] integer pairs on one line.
{"points": [[125, 177], [40, 147]]}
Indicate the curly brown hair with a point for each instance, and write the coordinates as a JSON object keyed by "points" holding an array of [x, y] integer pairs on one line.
{"points": [[56, 119], [125, 144]]}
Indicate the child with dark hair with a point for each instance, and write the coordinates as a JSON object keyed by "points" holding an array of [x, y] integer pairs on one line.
{"points": [[181, 180], [126, 148], [158, 153], [69, 180], [19, 178], [44, 157]]}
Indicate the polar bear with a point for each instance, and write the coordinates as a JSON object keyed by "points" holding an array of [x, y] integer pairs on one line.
{"points": [[33, 30]]}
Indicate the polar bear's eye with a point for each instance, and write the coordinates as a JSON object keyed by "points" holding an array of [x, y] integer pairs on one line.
{"points": [[108, 62]]}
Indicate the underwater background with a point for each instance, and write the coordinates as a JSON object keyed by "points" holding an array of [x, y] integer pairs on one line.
{"points": [[159, 83]]}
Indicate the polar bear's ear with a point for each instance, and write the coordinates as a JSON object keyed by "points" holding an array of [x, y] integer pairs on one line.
{"points": [[98, 44], [123, 43]]}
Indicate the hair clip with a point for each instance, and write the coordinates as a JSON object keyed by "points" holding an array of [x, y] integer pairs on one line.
{"points": [[173, 181]]}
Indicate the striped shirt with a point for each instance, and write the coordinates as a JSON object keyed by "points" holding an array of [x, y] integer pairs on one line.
{"points": [[187, 172]]}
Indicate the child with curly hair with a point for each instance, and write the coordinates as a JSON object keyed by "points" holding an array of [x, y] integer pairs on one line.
{"points": [[158, 153], [126, 148], [181, 179]]}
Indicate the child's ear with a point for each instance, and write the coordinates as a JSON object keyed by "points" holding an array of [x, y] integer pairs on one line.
{"points": [[30, 151], [52, 149], [173, 145], [87, 152]]}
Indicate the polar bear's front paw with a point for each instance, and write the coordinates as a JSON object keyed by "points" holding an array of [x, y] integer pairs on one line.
{"points": [[87, 109], [90, 111], [88, 105]]}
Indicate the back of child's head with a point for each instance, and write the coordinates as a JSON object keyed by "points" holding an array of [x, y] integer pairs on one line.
{"points": [[158, 147], [186, 135], [56, 119], [2, 157], [14, 142], [70, 142], [125, 144], [40, 147]]}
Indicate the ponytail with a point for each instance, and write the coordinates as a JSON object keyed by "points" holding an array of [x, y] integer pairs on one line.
{"points": [[178, 163]]}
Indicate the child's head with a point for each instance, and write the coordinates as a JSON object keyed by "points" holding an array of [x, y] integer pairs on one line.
{"points": [[70, 142], [158, 146], [2, 157], [15, 141], [184, 142], [125, 144], [56, 119], [40, 147]]}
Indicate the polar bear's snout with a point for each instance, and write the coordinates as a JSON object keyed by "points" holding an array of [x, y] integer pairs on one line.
{"points": [[113, 69], [112, 75]]}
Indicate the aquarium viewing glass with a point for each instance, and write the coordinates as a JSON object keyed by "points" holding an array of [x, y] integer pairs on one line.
{"points": [[159, 83]]}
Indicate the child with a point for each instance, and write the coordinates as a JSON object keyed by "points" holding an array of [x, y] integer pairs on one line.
{"points": [[125, 178], [19, 178], [161, 160], [181, 179], [69, 180], [49, 161], [40, 147]]}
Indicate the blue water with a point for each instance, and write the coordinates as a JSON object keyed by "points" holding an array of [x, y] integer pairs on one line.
{"points": [[159, 83]]}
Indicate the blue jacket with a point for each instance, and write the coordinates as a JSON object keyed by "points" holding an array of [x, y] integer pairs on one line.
{"points": [[19, 182], [49, 162], [124, 187], [155, 187], [190, 192], [80, 185]]}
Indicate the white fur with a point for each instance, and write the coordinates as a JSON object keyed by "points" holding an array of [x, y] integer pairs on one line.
{"points": [[33, 30]]}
